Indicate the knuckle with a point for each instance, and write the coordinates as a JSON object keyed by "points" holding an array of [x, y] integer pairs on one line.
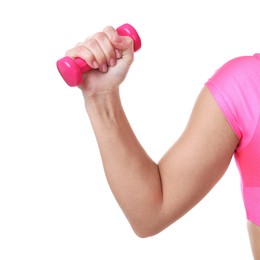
{"points": [[81, 50], [100, 36], [108, 29], [90, 42]]}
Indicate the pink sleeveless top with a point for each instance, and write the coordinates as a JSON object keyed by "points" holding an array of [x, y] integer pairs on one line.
{"points": [[236, 88]]}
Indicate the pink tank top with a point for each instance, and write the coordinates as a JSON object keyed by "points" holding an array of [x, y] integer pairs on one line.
{"points": [[236, 88]]}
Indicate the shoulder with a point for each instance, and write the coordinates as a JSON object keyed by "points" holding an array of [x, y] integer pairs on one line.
{"points": [[238, 68], [235, 87]]}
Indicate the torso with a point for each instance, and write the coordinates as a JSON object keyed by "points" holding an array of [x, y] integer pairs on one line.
{"points": [[235, 87]]}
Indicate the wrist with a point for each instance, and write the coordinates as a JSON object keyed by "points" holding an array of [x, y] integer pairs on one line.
{"points": [[103, 104]]}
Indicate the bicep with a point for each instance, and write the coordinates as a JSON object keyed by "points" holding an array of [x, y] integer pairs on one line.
{"points": [[199, 158]]}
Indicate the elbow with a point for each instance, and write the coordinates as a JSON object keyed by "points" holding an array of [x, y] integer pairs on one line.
{"points": [[145, 231], [150, 223], [145, 234], [148, 227]]}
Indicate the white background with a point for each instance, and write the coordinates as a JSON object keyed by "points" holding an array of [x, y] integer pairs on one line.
{"points": [[54, 199]]}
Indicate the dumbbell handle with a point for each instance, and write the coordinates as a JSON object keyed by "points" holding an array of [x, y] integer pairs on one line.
{"points": [[71, 69]]}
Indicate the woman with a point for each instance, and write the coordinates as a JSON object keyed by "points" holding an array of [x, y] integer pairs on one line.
{"points": [[223, 123]]}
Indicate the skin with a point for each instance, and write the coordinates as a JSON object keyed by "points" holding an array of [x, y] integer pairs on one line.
{"points": [[254, 235], [152, 195]]}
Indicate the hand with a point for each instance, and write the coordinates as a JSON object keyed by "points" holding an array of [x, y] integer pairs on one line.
{"points": [[110, 55]]}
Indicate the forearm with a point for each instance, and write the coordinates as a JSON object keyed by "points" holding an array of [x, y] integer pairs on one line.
{"points": [[133, 177]]}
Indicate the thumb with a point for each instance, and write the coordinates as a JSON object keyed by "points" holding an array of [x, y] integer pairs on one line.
{"points": [[125, 44]]}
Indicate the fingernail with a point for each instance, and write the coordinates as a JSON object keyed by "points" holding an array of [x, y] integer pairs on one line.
{"points": [[94, 64], [118, 54], [103, 68], [112, 62]]}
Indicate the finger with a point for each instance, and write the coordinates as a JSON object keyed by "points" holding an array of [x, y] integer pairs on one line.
{"points": [[113, 36], [91, 52], [93, 45], [123, 45], [81, 51], [107, 47], [119, 42]]}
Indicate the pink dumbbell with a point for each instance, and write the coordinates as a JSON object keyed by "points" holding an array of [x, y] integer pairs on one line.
{"points": [[72, 69]]}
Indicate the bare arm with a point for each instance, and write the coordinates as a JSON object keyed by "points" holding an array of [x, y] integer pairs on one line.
{"points": [[152, 195]]}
